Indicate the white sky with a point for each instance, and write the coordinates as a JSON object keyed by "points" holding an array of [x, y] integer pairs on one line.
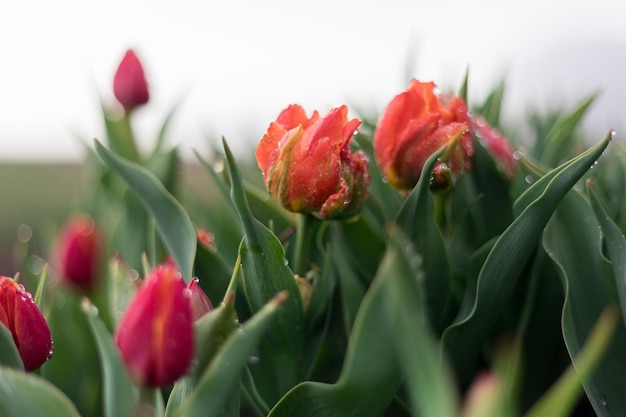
{"points": [[236, 64]]}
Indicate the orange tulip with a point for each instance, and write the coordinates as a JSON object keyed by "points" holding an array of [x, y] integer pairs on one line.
{"points": [[415, 124], [308, 166]]}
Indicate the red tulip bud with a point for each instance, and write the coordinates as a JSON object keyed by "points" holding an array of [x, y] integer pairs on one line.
{"points": [[155, 335], [20, 314], [308, 166], [80, 246], [200, 302], [415, 124], [129, 84]]}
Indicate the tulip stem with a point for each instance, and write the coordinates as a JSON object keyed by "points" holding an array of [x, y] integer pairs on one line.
{"points": [[148, 402], [303, 243]]}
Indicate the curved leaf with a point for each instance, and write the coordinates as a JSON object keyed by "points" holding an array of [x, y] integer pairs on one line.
{"points": [[224, 373], [265, 273], [510, 253], [417, 218], [390, 337], [117, 386], [28, 395], [572, 239], [173, 223]]}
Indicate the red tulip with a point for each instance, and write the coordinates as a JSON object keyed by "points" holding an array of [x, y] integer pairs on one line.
{"points": [[20, 314], [200, 302], [308, 166], [155, 335], [415, 124], [129, 84], [80, 248]]}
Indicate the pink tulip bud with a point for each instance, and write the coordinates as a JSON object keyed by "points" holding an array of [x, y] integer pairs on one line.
{"points": [[415, 124], [308, 166], [20, 314], [129, 84], [79, 251], [499, 147], [155, 335], [200, 302]]}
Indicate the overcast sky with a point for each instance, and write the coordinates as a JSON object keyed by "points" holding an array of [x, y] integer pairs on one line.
{"points": [[236, 64]]}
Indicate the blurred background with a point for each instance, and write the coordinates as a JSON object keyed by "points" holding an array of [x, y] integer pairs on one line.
{"points": [[231, 66]]}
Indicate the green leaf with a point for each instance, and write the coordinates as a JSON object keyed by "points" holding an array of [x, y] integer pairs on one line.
{"points": [[265, 274], [417, 217], [9, 355], [510, 253], [172, 221], [24, 395], [562, 397], [223, 375], [430, 384], [120, 135], [560, 139], [615, 244], [117, 386], [390, 337], [573, 241]]}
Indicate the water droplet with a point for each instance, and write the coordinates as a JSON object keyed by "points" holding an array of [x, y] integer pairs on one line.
{"points": [[195, 279], [133, 275], [286, 262], [253, 359], [603, 401], [517, 155], [529, 179]]}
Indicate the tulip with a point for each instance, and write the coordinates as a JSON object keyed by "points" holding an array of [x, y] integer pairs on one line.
{"points": [[80, 246], [415, 124], [129, 84], [155, 335], [200, 302], [20, 314], [308, 166]]}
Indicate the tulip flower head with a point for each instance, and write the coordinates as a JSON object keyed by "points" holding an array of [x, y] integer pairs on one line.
{"points": [[79, 251], [129, 84], [308, 166], [415, 124], [20, 314], [499, 147], [155, 335]]}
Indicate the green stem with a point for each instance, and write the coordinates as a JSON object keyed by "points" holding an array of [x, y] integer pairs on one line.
{"points": [[303, 243]]}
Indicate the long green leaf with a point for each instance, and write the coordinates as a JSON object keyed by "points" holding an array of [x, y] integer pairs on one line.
{"points": [[573, 241], [509, 254], [563, 395], [417, 218], [265, 273], [117, 386], [223, 375], [24, 395], [172, 221]]}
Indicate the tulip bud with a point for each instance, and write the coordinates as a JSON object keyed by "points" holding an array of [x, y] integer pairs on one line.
{"points": [[129, 84], [415, 124], [200, 302], [20, 314], [79, 252], [308, 166], [441, 178], [155, 335]]}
